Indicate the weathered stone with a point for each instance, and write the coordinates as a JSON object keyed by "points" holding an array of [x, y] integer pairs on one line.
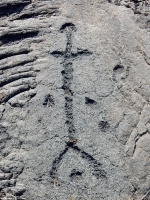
{"points": [[19, 189], [74, 100]]}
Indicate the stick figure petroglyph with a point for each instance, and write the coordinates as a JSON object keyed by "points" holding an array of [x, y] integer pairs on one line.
{"points": [[67, 74]]}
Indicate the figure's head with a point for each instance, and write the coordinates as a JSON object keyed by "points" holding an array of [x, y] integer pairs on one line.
{"points": [[66, 26]]}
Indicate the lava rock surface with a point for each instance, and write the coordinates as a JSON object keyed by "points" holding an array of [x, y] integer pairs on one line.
{"points": [[74, 100]]}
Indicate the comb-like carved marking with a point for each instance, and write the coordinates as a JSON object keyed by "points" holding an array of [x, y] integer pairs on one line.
{"points": [[17, 78]]}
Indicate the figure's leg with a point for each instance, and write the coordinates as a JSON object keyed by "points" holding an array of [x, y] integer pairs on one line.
{"points": [[98, 172], [56, 162]]}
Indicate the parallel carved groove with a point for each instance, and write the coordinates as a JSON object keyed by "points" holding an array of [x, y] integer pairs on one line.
{"points": [[19, 35], [18, 61], [15, 92], [16, 77], [12, 52], [28, 15], [8, 8]]}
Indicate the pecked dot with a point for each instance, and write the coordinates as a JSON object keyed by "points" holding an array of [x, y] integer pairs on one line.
{"points": [[118, 69]]}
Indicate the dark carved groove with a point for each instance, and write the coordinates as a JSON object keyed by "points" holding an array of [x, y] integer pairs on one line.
{"points": [[14, 93], [69, 26], [10, 8], [118, 69], [76, 173], [10, 54], [48, 100], [12, 37], [90, 101], [16, 77], [56, 163], [21, 63], [32, 15]]}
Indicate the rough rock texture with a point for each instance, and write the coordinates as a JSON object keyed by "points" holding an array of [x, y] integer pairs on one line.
{"points": [[74, 100]]}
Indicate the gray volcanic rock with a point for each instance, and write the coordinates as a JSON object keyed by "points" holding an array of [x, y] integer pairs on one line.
{"points": [[74, 100]]}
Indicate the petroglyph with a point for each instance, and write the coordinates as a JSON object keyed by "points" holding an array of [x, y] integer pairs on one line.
{"points": [[74, 100], [67, 74]]}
